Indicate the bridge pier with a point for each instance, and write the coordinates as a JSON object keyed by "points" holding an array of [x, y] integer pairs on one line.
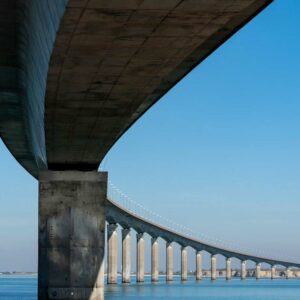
{"points": [[288, 273], [213, 267], [198, 265], [228, 268], [154, 259], [273, 272], [243, 270], [71, 235], [258, 268], [169, 261], [140, 257], [126, 256], [183, 264], [112, 253]]}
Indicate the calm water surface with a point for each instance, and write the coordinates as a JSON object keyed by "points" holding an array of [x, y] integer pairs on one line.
{"points": [[24, 288]]}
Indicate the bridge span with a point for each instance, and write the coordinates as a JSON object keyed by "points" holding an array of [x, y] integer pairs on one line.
{"points": [[74, 76], [117, 214]]}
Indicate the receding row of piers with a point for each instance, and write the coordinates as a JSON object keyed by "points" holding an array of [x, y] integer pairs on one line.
{"points": [[112, 245]]}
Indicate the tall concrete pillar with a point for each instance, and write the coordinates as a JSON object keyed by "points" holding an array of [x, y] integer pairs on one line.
{"points": [[273, 272], [228, 268], [183, 263], [140, 257], [154, 259], [258, 268], [288, 273], [169, 261], [213, 267], [198, 265], [71, 235], [126, 255], [112, 254], [243, 270]]}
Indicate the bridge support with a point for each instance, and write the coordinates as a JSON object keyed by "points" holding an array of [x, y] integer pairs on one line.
{"points": [[258, 268], [126, 256], [140, 257], [169, 261], [288, 273], [112, 253], [71, 235], [273, 272], [213, 267], [243, 270], [154, 259], [228, 268], [198, 265], [183, 264]]}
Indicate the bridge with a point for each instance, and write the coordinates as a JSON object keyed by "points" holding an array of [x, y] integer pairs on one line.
{"points": [[74, 76], [129, 220]]}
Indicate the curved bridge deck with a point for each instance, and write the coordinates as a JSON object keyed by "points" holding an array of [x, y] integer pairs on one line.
{"points": [[127, 219]]}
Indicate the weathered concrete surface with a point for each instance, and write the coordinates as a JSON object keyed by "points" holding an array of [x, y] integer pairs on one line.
{"points": [[126, 255], [169, 262], [140, 257], [27, 34], [198, 265], [154, 259], [71, 235], [112, 253], [183, 264], [112, 60]]}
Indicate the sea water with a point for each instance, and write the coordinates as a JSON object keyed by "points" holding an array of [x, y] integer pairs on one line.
{"points": [[25, 288]]}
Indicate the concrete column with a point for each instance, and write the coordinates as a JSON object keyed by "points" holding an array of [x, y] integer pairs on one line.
{"points": [[243, 270], [288, 273], [273, 272], [228, 268], [198, 265], [140, 257], [154, 259], [183, 264], [126, 256], [71, 235], [213, 267], [112, 254], [258, 268], [169, 261]]}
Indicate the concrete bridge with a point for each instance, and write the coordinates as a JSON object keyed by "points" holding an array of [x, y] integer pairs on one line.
{"points": [[74, 76], [116, 214]]}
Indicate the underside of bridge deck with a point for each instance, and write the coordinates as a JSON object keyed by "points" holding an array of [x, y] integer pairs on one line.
{"points": [[82, 72]]}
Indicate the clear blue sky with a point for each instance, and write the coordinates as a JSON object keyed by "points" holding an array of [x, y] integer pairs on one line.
{"points": [[219, 153]]}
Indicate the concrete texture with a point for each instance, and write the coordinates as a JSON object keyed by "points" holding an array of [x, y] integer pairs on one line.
{"points": [[71, 235], [154, 259], [228, 268], [140, 257], [183, 264], [111, 61], [112, 253], [169, 262], [27, 35], [213, 267], [126, 256], [198, 265]]}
